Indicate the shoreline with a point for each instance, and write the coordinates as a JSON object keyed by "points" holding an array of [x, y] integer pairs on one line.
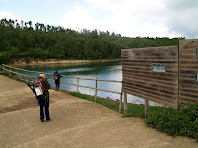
{"points": [[56, 61]]}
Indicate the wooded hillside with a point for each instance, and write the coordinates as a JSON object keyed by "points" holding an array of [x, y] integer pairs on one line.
{"points": [[20, 40]]}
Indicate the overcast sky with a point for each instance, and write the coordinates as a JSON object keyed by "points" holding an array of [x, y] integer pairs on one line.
{"points": [[132, 18]]}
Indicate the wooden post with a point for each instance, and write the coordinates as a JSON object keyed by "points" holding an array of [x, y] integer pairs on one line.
{"points": [[178, 72], [3, 67], [26, 76], [77, 84], [125, 102], [10, 71], [59, 82], [120, 107], [96, 89], [146, 106]]}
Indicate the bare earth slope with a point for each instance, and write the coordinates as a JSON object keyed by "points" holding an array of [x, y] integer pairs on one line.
{"points": [[75, 123]]}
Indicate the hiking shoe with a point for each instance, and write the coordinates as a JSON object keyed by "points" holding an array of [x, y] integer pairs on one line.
{"points": [[48, 119]]}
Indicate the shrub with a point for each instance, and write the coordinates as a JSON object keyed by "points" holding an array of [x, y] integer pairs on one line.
{"points": [[175, 122], [4, 57]]}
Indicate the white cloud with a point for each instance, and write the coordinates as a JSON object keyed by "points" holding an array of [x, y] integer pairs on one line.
{"points": [[156, 18], [128, 18], [78, 17], [9, 15], [182, 18]]}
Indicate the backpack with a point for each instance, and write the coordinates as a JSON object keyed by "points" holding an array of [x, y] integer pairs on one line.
{"points": [[38, 87]]}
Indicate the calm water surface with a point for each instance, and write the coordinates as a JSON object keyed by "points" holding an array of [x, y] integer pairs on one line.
{"points": [[104, 70]]}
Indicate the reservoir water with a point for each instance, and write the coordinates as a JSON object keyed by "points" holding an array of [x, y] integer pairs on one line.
{"points": [[103, 70]]}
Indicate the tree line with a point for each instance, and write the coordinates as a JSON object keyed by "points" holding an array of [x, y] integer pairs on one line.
{"points": [[20, 40]]}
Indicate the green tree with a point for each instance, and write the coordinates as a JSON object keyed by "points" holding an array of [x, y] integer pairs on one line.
{"points": [[41, 42]]}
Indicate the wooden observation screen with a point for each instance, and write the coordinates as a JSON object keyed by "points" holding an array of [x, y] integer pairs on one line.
{"points": [[188, 71], [151, 74]]}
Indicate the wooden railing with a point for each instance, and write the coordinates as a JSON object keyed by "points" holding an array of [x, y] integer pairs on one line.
{"points": [[25, 76]]}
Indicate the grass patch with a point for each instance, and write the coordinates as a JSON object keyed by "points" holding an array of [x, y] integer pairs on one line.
{"points": [[3, 73], [133, 110], [12, 75], [108, 103]]}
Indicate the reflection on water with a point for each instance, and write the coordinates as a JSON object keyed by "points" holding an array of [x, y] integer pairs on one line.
{"points": [[104, 70]]}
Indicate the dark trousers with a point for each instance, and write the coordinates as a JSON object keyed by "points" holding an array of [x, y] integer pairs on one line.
{"points": [[44, 104], [57, 84]]}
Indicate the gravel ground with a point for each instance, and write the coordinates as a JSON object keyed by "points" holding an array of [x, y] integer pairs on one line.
{"points": [[74, 123]]}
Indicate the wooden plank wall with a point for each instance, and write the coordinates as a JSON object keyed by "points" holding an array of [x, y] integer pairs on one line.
{"points": [[188, 69], [140, 80]]}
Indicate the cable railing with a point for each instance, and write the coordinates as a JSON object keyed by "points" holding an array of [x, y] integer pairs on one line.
{"points": [[25, 75]]}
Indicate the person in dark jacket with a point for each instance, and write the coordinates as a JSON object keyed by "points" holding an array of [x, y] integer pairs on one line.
{"points": [[44, 99], [57, 77]]}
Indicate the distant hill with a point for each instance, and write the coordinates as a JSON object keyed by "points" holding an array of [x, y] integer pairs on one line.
{"points": [[20, 40]]}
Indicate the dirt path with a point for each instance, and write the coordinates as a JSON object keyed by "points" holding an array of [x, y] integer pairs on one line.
{"points": [[75, 123]]}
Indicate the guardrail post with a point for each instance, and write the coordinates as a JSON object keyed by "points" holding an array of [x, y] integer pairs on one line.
{"points": [[26, 76], [125, 102], [146, 107], [120, 107], [59, 82], [77, 84], [10, 71], [3, 66], [96, 89]]}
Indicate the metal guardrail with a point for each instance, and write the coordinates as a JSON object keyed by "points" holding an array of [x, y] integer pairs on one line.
{"points": [[26, 76]]}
